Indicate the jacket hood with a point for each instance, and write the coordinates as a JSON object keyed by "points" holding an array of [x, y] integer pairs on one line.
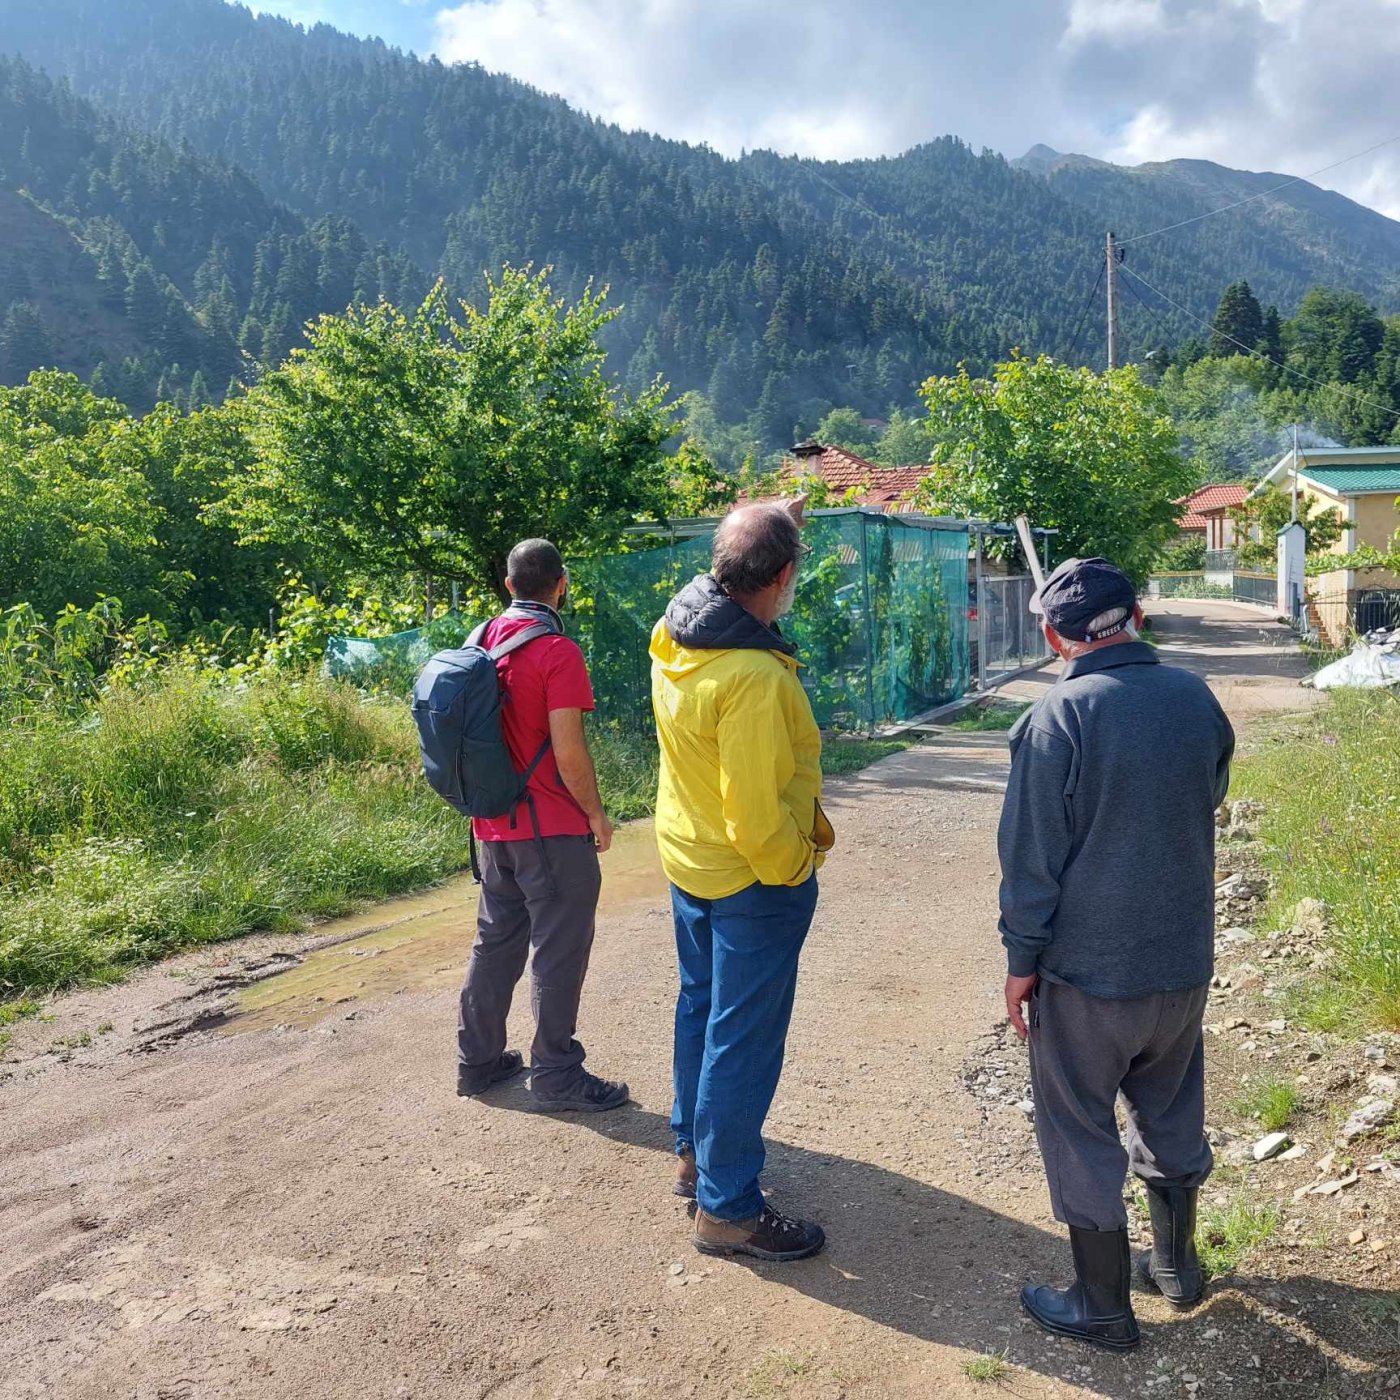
{"points": [[703, 617]]}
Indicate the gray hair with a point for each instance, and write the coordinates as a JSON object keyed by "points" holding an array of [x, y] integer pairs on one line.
{"points": [[1106, 623], [752, 546]]}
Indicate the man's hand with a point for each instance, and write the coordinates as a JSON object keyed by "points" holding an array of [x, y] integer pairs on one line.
{"points": [[1018, 992], [602, 831]]}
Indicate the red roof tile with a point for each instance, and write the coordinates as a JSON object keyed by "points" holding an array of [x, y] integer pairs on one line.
{"points": [[1208, 498], [881, 488]]}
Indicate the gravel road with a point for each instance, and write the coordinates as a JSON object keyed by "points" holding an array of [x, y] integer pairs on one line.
{"points": [[210, 1201]]}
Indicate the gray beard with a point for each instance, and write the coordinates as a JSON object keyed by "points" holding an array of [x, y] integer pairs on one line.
{"points": [[787, 599]]}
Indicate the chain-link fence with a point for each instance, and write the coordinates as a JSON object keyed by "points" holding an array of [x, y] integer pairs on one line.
{"points": [[881, 620]]}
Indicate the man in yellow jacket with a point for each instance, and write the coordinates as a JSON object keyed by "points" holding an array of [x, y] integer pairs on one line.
{"points": [[741, 832]]}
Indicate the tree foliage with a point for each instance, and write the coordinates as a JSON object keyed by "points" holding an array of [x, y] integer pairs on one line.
{"points": [[1090, 455], [1267, 513], [1238, 327], [236, 175], [431, 442], [97, 504]]}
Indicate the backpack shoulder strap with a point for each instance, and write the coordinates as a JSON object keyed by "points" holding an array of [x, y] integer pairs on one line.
{"points": [[478, 634], [525, 635]]}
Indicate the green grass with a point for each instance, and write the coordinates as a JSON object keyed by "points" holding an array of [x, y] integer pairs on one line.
{"points": [[989, 718], [1331, 831], [1271, 1100], [990, 1366], [845, 755], [1226, 1234], [767, 1380], [627, 768], [190, 813]]}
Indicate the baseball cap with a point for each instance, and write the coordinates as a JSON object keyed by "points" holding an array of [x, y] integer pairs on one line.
{"points": [[1080, 590]]}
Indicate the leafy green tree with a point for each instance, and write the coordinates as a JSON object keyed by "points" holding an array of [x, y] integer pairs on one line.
{"points": [[74, 526], [1184, 555], [1271, 341], [845, 427], [908, 441], [698, 487], [430, 443], [1266, 514], [205, 575], [1225, 420], [1335, 335], [1091, 455], [1239, 321]]}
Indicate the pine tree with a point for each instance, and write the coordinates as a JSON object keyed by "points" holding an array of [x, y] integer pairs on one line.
{"points": [[1239, 322], [24, 343]]}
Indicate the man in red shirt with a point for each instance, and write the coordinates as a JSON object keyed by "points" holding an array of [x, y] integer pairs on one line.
{"points": [[539, 865]]}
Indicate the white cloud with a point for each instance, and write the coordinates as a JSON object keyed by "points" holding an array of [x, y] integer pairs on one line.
{"points": [[1278, 85], [1284, 85], [819, 77]]}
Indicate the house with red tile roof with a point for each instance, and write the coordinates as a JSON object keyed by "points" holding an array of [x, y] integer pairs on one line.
{"points": [[1207, 512], [888, 489]]}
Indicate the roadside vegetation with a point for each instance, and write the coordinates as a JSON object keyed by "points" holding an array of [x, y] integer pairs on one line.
{"points": [[990, 717], [179, 802], [1230, 1231], [185, 811], [1271, 1101], [1330, 830]]}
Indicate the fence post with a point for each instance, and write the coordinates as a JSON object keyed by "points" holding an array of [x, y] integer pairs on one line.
{"points": [[981, 619], [869, 627]]}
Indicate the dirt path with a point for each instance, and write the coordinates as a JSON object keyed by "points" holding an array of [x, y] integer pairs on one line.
{"points": [[310, 1212]]}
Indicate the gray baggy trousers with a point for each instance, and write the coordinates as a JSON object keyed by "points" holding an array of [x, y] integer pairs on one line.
{"points": [[1085, 1051], [545, 899]]}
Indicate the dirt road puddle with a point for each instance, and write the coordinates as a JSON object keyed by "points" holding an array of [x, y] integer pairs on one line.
{"points": [[416, 942]]}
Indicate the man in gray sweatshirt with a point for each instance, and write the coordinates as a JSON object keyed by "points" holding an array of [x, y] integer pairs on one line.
{"points": [[1107, 846]]}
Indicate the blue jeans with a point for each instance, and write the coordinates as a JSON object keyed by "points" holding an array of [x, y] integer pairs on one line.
{"points": [[738, 964]]}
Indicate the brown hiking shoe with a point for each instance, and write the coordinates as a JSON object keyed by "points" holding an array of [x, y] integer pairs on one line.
{"points": [[686, 1175], [771, 1235]]}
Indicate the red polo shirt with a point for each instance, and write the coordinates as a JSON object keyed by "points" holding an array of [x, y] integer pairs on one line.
{"points": [[546, 674]]}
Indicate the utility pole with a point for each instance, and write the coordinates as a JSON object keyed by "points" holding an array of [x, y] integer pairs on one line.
{"points": [[1112, 252]]}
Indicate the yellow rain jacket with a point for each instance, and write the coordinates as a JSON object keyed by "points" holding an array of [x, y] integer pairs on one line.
{"points": [[739, 799]]}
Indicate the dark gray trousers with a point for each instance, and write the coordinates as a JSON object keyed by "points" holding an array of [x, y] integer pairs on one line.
{"points": [[522, 907], [1085, 1051]]}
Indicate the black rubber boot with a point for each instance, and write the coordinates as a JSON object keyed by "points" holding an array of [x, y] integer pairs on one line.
{"points": [[1097, 1307], [1171, 1265]]}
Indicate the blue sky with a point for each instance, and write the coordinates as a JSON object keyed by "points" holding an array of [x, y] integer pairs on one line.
{"points": [[1280, 85]]}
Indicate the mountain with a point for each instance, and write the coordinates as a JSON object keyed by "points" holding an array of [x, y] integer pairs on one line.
{"points": [[1313, 235], [778, 286], [154, 270]]}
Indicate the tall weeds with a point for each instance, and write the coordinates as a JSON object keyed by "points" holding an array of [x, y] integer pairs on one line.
{"points": [[186, 811], [1331, 831]]}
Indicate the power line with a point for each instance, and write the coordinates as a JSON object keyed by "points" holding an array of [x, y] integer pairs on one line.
{"points": [[1089, 301], [1252, 350], [1273, 189], [1152, 311]]}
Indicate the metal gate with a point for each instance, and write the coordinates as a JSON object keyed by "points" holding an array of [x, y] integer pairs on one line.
{"points": [[1376, 609], [1008, 634]]}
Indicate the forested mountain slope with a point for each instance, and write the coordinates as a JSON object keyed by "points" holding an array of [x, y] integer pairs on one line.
{"points": [[778, 286]]}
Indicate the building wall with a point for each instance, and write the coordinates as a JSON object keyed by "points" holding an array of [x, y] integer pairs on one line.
{"points": [[1376, 520]]}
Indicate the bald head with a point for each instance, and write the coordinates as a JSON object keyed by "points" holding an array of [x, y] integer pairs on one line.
{"points": [[752, 546]]}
